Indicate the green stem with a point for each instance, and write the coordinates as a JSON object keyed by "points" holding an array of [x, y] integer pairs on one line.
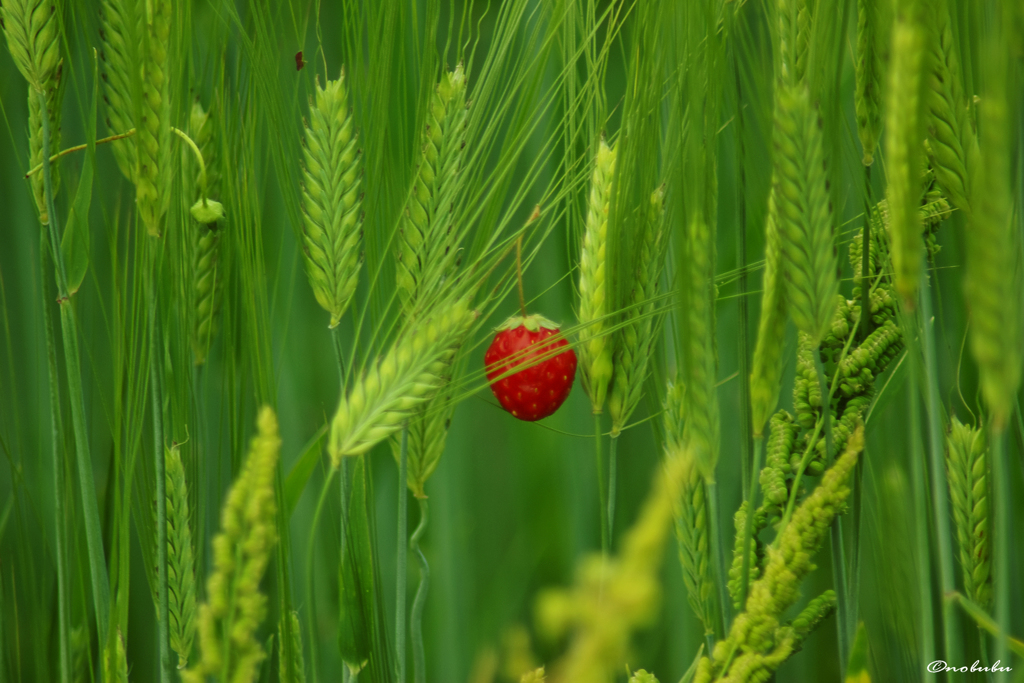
{"points": [[69, 334], [402, 558], [314, 656], [865, 261], [924, 578], [719, 552], [613, 466], [339, 355], [346, 675], [1001, 548], [56, 432], [940, 503], [156, 399], [419, 660], [601, 490], [748, 531]]}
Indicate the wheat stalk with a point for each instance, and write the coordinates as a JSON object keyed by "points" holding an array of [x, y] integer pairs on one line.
{"points": [[427, 252], [181, 589], [235, 607], [967, 474], [331, 199], [594, 348], [643, 321], [805, 221], [402, 380]]}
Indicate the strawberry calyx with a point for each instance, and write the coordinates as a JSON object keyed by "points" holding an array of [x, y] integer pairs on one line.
{"points": [[533, 323]]}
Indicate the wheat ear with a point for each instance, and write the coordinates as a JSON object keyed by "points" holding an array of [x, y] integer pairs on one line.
{"points": [[903, 152], [867, 99], [426, 252], [181, 588], [594, 348], [331, 199], [967, 470], [951, 137], [152, 183], [235, 607], [207, 277], [119, 51], [402, 380], [805, 221], [643, 321], [296, 674], [766, 374], [993, 280], [701, 433], [32, 28], [115, 661]]}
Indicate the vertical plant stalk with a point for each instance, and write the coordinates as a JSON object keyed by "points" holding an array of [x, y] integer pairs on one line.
{"points": [[159, 464], [721, 574], [924, 580], [940, 491], [69, 333], [613, 467], [310, 592], [402, 558], [56, 435], [602, 490], [419, 661]]}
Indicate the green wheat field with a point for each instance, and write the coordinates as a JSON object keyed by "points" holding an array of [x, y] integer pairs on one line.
{"points": [[253, 253]]}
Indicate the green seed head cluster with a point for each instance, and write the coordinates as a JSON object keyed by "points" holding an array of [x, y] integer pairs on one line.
{"points": [[873, 355], [760, 521], [331, 200], [967, 472], [181, 581], [595, 349], [235, 607], [953, 144], [406, 377], [207, 276], [782, 440], [904, 152], [427, 249], [758, 641], [806, 390], [613, 596], [642, 676], [32, 29], [640, 332], [817, 610], [120, 50], [804, 214], [152, 184], [766, 375]]}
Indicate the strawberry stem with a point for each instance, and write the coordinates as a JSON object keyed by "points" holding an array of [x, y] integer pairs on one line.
{"points": [[519, 274]]}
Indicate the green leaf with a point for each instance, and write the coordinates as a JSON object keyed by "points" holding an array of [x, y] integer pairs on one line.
{"points": [[75, 242], [301, 471]]}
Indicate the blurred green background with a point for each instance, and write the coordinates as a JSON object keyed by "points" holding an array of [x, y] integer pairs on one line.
{"points": [[514, 505]]}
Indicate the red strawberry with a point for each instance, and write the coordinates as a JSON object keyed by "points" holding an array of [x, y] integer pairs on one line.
{"points": [[541, 387]]}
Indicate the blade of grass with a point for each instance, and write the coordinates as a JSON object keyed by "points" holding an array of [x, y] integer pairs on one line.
{"points": [[401, 562]]}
